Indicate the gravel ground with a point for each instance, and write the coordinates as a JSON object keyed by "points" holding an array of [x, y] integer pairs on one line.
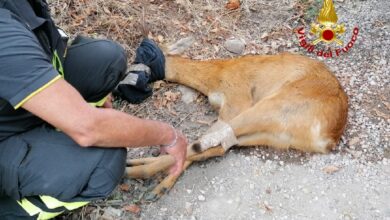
{"points": [[352, 182]]}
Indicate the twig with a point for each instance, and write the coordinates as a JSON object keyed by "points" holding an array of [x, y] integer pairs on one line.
{"points": [[181, 120], [139, 109], [145, 30], [123, 108], [218, 19]]}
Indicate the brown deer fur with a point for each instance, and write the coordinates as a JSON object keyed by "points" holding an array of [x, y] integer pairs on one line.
{"points": [[282, 101]]}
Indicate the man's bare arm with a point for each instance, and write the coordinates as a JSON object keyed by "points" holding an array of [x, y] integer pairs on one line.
{"points": [[62, 106]]}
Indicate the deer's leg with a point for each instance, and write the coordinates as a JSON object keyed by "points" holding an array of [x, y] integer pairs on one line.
{"points": [[142, 161], [211, 152], [170, 180], [284, 121], [150, 167], [165, 185], [144, 168]]}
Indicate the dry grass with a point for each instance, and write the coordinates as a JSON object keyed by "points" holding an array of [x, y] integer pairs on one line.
{"points": [[167, 21]]}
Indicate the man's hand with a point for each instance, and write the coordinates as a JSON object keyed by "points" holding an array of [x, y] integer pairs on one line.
{"points": [[179, 152]]}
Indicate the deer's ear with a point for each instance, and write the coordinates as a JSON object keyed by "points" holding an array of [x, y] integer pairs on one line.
{"points": [[180, 46]]}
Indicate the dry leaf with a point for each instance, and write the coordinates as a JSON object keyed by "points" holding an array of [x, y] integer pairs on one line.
{"points": [[233, 4], [331, 169], [381, 114], [264, 36], [267, 207], [204, 122], [171, 96], [160, 38], [172, 112], [158, 84], [106, 10], [135, 209], [124, 187], [353, 141], [386, 104], [157, 103], [355, 154]]}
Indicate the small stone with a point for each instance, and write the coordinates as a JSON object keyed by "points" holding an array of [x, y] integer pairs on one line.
{"points": [[188, 95], [267, 207], [113, 212], [330, 169], [264, 36], [355, 154], [106, 216], [235, 46], [201, 198], [383, 62], [354, 141], [274, 45], [188, 207]]}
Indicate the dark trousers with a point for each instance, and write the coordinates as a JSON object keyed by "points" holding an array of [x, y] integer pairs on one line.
{"points": [[45, 161]]}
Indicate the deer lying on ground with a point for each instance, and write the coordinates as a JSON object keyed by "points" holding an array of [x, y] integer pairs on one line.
{"points": [[282, 101]]}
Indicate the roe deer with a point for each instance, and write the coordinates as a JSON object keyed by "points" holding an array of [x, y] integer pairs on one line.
{"points": [[282, 101]]}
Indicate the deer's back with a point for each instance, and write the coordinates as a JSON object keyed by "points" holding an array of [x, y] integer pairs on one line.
{"points": [[265, 75]]}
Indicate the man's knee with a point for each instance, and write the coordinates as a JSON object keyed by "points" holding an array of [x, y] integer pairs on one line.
{"points": [[108, 52], [94, 66], [104, 50]]}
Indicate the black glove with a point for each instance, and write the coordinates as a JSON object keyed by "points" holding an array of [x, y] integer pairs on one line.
{"points": [[135, 91], [135, 88], [151, 55]]}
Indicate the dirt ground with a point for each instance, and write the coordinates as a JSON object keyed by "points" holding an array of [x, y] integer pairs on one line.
{"points": [[352, 182]]}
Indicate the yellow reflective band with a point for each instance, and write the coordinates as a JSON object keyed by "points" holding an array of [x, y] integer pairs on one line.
{"points": [[53, 203], [32, 210], [37, 91], [56, 60], [99, 103], [48, 215]]}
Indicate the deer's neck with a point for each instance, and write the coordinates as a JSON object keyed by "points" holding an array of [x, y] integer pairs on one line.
{"points": [[199, 75]]}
